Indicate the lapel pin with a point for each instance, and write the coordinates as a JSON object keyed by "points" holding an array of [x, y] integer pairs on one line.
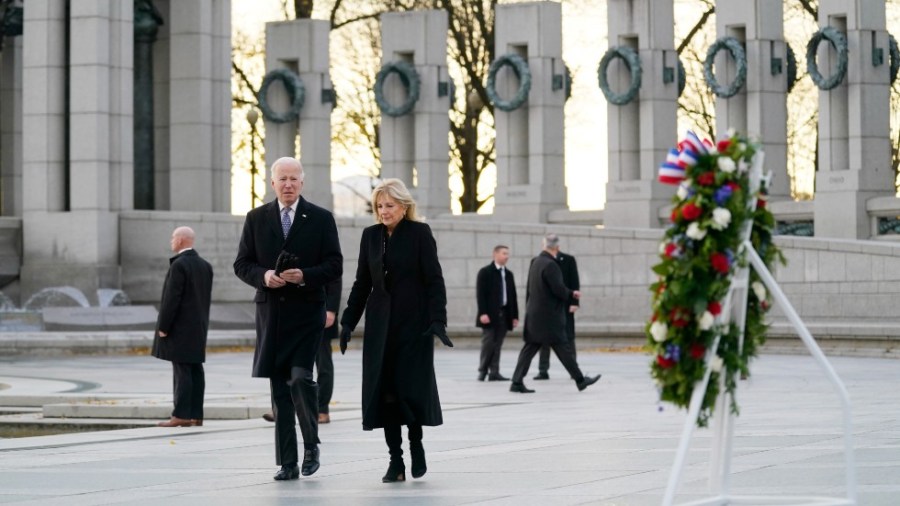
{"points": [[303, 215]]}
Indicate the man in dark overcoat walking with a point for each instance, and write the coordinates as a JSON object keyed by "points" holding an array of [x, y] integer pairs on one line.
{"points": [[289, 251], [546, 301], [498, 311], [181, 327], [569, 268]]}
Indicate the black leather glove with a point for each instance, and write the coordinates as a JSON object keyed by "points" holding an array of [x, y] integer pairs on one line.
{"points": [[286, 260], [438, 329], [345, 338]]}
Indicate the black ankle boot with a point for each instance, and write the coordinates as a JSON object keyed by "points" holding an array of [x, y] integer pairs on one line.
{"points": [[396, 471], [417, 452]]}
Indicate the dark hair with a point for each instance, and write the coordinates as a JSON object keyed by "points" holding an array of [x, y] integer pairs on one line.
{"points": [[500, 247]]}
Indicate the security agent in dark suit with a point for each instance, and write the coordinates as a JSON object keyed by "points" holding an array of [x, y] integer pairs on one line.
{"points": [[324, 362], [289, 252], [181, 327], [498, 312], [569, 269]]}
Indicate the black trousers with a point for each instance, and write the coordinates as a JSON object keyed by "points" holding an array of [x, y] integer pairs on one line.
{"points": [[491, 344], [297, 396], [544, 360], [325, 371], [189, 384], [563, 352]]}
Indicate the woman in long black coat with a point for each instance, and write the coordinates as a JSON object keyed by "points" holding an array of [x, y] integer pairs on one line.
{"points": [[400, 286]]}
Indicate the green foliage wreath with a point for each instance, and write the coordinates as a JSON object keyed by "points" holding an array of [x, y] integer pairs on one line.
{"points": [[633, 61], [295, 90], [839, 43], [410, 79], [523, 73], [734, 48]]}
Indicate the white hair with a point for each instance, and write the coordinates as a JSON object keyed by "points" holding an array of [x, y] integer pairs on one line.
{"points": [[287, 160]]}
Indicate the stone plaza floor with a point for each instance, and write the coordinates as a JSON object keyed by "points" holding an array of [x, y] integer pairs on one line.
{"points": [[608, 445]]}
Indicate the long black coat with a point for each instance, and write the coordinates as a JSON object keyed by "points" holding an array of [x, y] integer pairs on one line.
{"points": [[333, 304], [569, 268], [399, 307], [290, 319], [184, 310], [546, 301], [488, 294]]}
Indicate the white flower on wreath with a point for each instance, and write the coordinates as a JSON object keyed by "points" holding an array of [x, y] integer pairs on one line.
{"points": [[726, 164], [716, 363], [721, 217], [684, 189], [695, 232], [659, 331], [706, 320], [743, 166], [759, 289]]}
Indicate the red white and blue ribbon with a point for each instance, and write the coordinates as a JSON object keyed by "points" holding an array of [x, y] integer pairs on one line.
{"points": [[689, 151]]}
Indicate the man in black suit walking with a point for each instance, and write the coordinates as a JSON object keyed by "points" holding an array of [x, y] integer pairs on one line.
{"points": [[289, 252], [498, 312], [569, 269], [181, 327]]}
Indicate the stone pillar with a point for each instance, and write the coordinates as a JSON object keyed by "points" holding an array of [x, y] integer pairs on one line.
{"points": [[760, 107], [530, 157], [302, 46], [854, 144], [147, 20], [641, 132], [71, 233], [198, 66], [418, 141], [11, 127]]}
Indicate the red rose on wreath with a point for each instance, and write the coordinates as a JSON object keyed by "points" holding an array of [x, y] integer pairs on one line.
{"points": [[714, 308], [671, 250], [678, 317], [734, 186], [723, 145], [697, 351], [760, 203], [676, 215], [765, 305], [664, 362], [719, 263], [691, 212], [706, 179]]}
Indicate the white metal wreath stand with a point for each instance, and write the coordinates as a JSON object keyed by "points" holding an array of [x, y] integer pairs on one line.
{"points": [[735, 307]]}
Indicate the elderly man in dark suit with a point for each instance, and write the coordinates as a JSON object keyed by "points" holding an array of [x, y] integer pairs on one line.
{"points": [[181, 327], [498, 311], [569, 268], [546, 301], [289, 252]]}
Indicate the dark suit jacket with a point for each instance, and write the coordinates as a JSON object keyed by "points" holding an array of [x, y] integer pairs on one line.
{"points": [[333, 304], [546, 302], [569, 269], [487, 293], [184, 310], [290, 319], [399, 308]]}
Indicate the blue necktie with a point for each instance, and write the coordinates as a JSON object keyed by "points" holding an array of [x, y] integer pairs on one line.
{"points": [[503, 285], [286, 221]]}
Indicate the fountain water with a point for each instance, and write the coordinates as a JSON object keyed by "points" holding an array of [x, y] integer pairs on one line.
{"points": [[56, 296], [107, 297]]}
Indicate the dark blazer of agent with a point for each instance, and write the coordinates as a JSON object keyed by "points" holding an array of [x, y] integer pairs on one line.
{"points": [[182, 326], [547, 300], [290, 312], [569, 268], [399, 309], [489, 296]]}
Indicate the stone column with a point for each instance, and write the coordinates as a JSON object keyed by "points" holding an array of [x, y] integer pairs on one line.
{"points": [[11, 127], [146, 25], [418, 141], [641, 132], [760, 107], [530, 155], [73, 239], [198, 180], [302, 46], [854, 144]]}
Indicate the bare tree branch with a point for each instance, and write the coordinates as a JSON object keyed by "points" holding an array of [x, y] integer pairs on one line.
{"points": [[696, 28]]}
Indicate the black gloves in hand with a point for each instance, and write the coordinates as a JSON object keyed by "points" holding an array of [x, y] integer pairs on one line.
{"points": [[345, 338], [286, 260], [438, 329]]}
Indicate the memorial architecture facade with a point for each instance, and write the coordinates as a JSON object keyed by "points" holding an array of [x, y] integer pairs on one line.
{"points": [[115, 127]]}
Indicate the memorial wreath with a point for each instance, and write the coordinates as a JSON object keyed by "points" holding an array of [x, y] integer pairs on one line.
{"points": [[699, 254]]}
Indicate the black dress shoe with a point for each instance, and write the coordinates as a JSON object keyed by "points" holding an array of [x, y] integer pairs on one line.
{"points": [[269, 417], [481, 376], [310, 462], [288, 472], [520, 388], [542, 376], [395, 472], [588, 381], [497, 377], [417, 452]]}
